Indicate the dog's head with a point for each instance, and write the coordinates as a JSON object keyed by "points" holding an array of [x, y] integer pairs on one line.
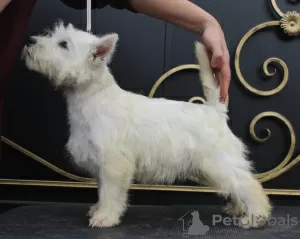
{"points": [[68, 56], [195, 214]]}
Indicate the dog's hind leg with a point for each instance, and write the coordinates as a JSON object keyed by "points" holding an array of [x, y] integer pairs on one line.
{"points": [[116, 175], [232, 177]]}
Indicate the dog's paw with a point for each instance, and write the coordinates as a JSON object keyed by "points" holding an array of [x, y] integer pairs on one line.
{"points": [[92, 210], [233, 209], [103, 220], [253, 221], [229, 209]]}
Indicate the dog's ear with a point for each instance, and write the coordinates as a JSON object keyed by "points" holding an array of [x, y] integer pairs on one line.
{"points": [[104, 48]]}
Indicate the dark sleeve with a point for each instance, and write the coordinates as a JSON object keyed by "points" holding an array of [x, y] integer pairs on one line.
{"points": [[11, 36], [118, 4]]}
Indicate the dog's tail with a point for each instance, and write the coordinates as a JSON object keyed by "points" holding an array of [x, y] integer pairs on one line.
{"points": [[209, 82]]}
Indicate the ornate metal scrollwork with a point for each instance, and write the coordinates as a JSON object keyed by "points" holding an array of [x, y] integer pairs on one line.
{"points": [[290, 23], [287, 163]]}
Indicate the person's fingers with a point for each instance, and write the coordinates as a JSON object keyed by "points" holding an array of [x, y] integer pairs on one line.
{"points": [[220, 62], [216, 55], [225, 72], [225, 50], [224, 80], [218, 76], [217, 61], [213, 46]]}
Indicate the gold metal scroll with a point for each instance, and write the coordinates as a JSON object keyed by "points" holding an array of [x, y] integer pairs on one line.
{"points": [[290, 23], [44, 162], [286, 164], [276, 8], [265, 66]]}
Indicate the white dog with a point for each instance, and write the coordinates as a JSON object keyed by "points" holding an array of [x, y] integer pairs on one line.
{"points": [[118, 136]]}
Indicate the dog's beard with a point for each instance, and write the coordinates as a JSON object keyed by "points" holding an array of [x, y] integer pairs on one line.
{"points": [[30, 61]]}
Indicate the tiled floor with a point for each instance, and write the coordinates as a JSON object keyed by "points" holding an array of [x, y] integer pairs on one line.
{"points": [[69, 221]]}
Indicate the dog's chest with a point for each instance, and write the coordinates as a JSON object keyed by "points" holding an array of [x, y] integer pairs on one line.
{"points": [[93, 129], [81, 143]]}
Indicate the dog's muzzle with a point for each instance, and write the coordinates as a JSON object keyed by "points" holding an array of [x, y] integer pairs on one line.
{"points": [[31, 41]]}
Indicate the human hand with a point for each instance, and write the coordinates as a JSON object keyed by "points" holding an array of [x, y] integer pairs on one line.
{"points": [[3, 4], [214, 40]]}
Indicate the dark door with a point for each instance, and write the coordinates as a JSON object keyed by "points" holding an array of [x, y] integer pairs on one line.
{"points": [[35, 114]]}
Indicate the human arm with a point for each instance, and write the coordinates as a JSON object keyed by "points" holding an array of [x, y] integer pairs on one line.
{"points": [[190, 17], [3, 4]]}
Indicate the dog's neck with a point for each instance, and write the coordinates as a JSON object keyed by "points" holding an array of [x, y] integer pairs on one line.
{"points": [[99, 82]]}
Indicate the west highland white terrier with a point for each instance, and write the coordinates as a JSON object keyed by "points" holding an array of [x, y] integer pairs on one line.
{"points": [[118, 136]]}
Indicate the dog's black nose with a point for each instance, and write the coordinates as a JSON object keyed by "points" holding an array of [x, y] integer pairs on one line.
{"points": [[31, 41]]}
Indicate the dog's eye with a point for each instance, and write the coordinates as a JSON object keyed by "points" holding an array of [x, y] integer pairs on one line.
{"points": [[63, 44]]}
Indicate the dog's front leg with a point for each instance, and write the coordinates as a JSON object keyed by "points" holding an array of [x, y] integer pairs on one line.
{"points": [[116, 176], [95, 207]]}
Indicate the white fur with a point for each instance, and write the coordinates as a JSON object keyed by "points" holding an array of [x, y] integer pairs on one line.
{"points": [[118, 136]]}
